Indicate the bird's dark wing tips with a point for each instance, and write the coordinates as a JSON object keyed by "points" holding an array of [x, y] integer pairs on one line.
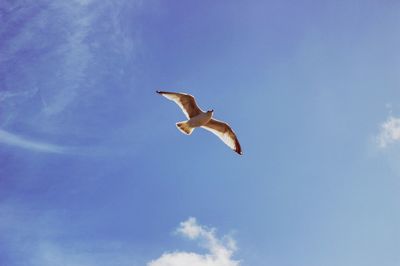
{"points": [[238, 148]]}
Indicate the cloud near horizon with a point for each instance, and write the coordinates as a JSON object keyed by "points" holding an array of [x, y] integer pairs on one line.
{"points": [[389, 133], [220, 251]]}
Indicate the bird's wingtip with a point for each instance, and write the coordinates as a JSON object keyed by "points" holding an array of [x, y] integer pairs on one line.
{"points": [[240, 152]]}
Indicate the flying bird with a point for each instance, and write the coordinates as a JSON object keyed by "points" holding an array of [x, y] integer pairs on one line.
{"points": [[198, 118]]}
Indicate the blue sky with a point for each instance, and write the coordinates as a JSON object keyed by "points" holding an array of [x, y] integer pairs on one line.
{"points": [[94, 172]]}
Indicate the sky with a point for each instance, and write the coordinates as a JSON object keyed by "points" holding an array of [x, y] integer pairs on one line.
{"points": [[94, 172]]}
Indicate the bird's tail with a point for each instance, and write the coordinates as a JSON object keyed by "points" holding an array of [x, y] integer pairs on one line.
{"points": [[184, 127]]}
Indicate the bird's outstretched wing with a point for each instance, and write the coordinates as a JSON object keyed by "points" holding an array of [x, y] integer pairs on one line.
{"points": [[225, 133], [185, 101]]}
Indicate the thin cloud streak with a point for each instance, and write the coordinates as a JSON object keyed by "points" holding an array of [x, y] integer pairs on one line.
{"points": [[15, 140]]}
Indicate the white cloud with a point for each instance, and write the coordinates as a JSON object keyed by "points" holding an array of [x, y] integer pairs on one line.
{"points": [[390, 132], [220, 251]]}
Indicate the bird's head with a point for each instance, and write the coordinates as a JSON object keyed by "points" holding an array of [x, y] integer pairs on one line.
{"points": [[210, 111]]}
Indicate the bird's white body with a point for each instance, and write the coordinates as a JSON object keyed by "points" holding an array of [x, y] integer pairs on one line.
{"points": [[200, 119]]}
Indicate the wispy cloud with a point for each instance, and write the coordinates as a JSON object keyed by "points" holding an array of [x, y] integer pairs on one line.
{"points": [[389, 132], [75, 52], [15, 140], [4, 95], [39, 237], [80, 51], [220, 251], [84, 35]]}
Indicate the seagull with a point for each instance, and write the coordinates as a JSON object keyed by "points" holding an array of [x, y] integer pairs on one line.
{"points": [[198, 118]]}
